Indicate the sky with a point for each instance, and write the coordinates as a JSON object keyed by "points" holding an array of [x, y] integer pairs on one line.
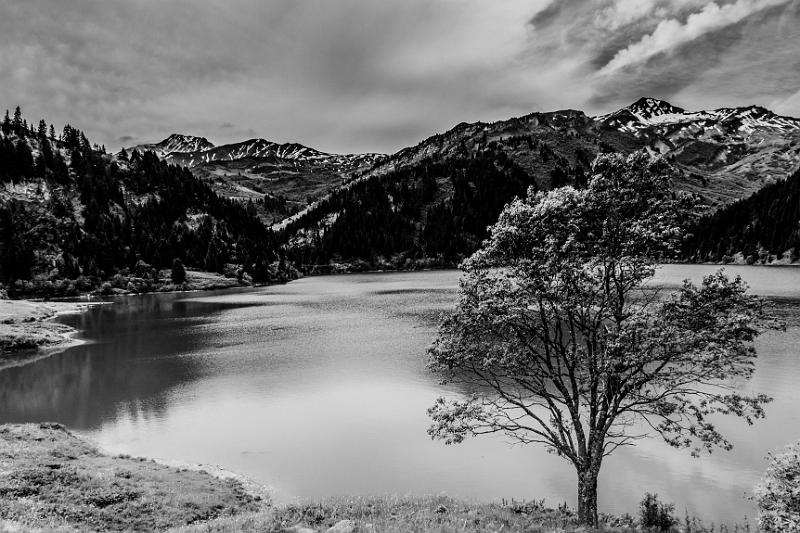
{"points": [[378, 75]]}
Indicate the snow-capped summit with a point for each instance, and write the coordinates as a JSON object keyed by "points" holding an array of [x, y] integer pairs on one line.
{"points": [[176, 143], [264, 149], [650, 114], [646, 109]]}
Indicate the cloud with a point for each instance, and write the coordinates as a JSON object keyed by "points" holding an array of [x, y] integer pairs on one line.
{"points": [[671, 33], [788, 106], [621, 13], [355, 75]]}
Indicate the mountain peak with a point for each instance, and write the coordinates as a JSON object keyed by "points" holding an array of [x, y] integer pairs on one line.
{"points": [[177, 142], [647, 108], [184, 137]]}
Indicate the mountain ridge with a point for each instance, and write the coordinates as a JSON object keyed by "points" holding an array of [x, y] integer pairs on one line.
{"points": [[725, 153], [176, 142], [721, 156], [395, 203], [191, 151]]}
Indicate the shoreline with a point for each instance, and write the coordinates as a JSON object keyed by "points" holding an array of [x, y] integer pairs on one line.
{"points": [[52, 479], [28, 331]]}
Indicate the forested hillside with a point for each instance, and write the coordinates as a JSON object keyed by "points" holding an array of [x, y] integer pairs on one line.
{"points": [[762, 228], [72, 216], [432, 213]]}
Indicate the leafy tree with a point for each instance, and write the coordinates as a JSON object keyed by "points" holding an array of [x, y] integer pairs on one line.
{"points": [[559, 342], [777, 496]]}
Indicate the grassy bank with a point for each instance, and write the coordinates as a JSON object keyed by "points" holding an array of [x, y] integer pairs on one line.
{"points": [[26, 326], [52, 480]]}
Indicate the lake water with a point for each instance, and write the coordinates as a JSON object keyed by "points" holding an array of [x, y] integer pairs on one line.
{"points": [[319, 388]]}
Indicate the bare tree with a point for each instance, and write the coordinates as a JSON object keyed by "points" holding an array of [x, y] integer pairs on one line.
{"points": [[560, 341]]}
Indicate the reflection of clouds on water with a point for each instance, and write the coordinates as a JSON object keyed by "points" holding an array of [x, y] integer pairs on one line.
{"points": [[319, 387]]}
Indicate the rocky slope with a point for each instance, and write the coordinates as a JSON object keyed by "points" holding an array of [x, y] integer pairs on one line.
{"points": [[723, 155], [727, 153], [264, 149], [175, 143], [286, 175]]}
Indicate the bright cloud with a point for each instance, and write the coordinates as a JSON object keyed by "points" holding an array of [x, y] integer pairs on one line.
{"points": [[671, 33]]}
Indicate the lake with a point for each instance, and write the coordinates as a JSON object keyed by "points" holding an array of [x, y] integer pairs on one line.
{"points": [[319, 388]]}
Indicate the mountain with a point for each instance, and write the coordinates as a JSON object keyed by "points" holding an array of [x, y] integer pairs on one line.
{"points": [[722, 155], [281, 178], [761, 228], [726, 153], [175, 143], [387, 216], [264, 149], [73, 218]]}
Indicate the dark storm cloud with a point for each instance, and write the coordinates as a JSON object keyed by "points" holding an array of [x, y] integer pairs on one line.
{"points": [[353, 75]]}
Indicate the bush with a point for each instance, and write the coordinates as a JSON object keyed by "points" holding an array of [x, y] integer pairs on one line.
{"points": [[778, 494], [654, 515], [178, 272]]}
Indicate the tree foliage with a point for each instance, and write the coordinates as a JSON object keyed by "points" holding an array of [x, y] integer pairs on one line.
{"points": [[778, 494], [559, 340]]}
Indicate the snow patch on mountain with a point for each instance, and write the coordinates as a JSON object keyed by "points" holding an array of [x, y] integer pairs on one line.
{"points": [[189, 151], [175, 143], [649, 113]]}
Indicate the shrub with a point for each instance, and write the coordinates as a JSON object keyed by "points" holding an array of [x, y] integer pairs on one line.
{"points": [[178, 272], [778, 494], [654, 515]]}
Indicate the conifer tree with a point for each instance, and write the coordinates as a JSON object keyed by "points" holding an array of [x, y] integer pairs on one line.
{"points": [[16, 124], [6, 126]]}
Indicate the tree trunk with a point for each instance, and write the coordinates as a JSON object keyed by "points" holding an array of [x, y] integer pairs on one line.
{"points": [[587, 496]]}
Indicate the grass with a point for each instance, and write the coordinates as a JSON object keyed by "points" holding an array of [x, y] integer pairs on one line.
{"points": [[404, 515], [25, 325], [434, 514], [52, 480]]}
